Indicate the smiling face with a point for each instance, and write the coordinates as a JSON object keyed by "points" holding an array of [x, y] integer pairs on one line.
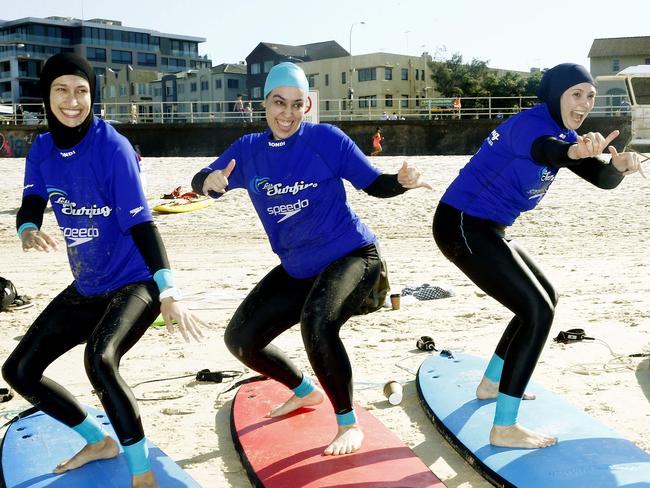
{"points": [[576, 103], [70, 99], [285, 110]]}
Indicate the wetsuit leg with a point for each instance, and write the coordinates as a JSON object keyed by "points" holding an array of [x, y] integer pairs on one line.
{"points": [[66, 322], [480, 250], [273, 306], [336, 294], [127, 316]]}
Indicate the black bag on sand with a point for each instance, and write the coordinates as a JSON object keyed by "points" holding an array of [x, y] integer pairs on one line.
{"points": [[375, 300], [7, 293]]}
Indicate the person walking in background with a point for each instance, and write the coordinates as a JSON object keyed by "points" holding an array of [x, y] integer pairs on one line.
{"points": [[122, 278], [239, 109], [510, 174], [329, 260], [377, 139]]}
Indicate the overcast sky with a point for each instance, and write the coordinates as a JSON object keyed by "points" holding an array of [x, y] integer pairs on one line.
{"points": [[508, 34]]}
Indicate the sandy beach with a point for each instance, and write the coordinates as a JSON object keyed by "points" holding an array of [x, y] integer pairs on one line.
{"points": [[594, 245]]}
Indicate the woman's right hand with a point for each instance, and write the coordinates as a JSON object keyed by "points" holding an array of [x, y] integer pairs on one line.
{"points": [[39, 240], [217, 181]]}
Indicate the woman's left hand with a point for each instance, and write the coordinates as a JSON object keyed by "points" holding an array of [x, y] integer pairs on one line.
{"points": [[626, 162], [410, 177], [186, 322], [591, 145]]}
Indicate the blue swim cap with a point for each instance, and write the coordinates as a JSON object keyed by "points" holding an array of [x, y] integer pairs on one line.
{"points": [[286, 74]]}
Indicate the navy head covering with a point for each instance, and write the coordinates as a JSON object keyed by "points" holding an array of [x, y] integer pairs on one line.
{"points": [[556, 81], [59, 65]]}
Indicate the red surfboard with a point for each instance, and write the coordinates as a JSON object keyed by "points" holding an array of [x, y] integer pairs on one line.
{"points": [[288, 451]]}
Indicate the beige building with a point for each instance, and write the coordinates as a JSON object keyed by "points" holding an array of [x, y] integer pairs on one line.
{"points": [[609, 56], [370, 84], [127, 94]]}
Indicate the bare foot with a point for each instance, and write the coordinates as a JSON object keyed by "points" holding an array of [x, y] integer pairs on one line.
{"points": [[488, 389], [518, 436], [294, 403], [105, 449], [348, 439], [145, 480]]}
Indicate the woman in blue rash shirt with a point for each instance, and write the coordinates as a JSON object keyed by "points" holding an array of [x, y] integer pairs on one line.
{"points": [[508, 175], [122, 280], [294, 176]]}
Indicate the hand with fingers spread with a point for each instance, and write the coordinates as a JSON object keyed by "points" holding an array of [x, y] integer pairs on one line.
{"points": [[410, 177], [217, 181], [591, 145], [626, 162], [38, 240], [186, 322]]}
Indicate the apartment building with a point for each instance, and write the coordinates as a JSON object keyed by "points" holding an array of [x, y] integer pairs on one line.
{"points": [[26, 43]]}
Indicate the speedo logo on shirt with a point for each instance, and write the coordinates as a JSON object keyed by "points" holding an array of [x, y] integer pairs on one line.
{"points": [[288, 210], [263, 185], [76, 236]]}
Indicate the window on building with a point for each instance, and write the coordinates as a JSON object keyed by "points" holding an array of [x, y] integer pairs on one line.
{"points": [[181, 89], [388, 101], [169, 90], [616, 65], [367, 74], [327, 80], [257, 92], [146, 59], [123, 91], [121, 57], [111, 91], [388, 73], [368, 101], [647, 61], [417, 75], [405, 74], [343, 78], [205, 85], [233, 83], [422, 75], [256, 68], [404, 102], [268, 65], [217, 84], [193, 86], [311, 80], [417, 100], [327, 105], [95, 54], [205, 107]]}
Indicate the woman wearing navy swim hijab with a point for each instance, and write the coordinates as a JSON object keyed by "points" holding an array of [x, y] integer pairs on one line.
{"points": [[90, 175], [329, 262], [510, 174]]}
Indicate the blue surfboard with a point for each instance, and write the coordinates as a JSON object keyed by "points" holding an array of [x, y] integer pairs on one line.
{"points": [[34, 444], [588, 454]]}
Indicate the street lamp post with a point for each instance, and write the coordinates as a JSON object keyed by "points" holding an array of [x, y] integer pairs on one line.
{"points": [[350, 90]]}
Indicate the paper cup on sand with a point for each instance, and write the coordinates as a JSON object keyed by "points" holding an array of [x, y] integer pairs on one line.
{"points": [[393, 392]]}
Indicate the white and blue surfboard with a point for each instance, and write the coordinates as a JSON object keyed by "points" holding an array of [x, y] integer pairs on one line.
{"points": [[34, 444], [588, 454]]}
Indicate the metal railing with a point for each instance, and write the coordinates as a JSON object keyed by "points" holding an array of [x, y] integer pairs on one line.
{"points": [[330, 110]]}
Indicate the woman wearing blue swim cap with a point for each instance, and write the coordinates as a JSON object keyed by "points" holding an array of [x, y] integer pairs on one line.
{"points": [[510, 174], [329, 260]]}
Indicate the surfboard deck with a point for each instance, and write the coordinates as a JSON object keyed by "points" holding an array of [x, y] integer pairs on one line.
{"points": [[32, 446], [288, 451], [587, 455], [181, 205]]}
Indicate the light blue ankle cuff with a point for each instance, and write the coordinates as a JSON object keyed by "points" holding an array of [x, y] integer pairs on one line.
{"points": [[494, 369], [345, 419], [506, 410], [137, 457], [90, 429], [305, 387]]}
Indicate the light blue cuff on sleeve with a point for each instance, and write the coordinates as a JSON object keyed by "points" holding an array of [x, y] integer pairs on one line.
{"points": [[164, 279], [26, 225]]}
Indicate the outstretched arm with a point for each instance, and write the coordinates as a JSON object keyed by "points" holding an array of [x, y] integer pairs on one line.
{"points": [[387, 185]]}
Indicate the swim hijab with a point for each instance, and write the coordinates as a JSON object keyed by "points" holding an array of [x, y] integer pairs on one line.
{"points": [[59, 65], [556, 81], [286, 74]]}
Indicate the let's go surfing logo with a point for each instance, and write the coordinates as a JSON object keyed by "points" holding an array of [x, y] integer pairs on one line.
{"points": [[77, 235], [261, 185]]}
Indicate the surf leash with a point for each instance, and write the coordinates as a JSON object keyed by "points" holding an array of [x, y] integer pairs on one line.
{"points": [[572, 335]]}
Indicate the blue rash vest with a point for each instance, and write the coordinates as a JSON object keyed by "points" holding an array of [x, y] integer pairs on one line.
{"points": [[502, 180], [296, 186], [95, 192]]}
